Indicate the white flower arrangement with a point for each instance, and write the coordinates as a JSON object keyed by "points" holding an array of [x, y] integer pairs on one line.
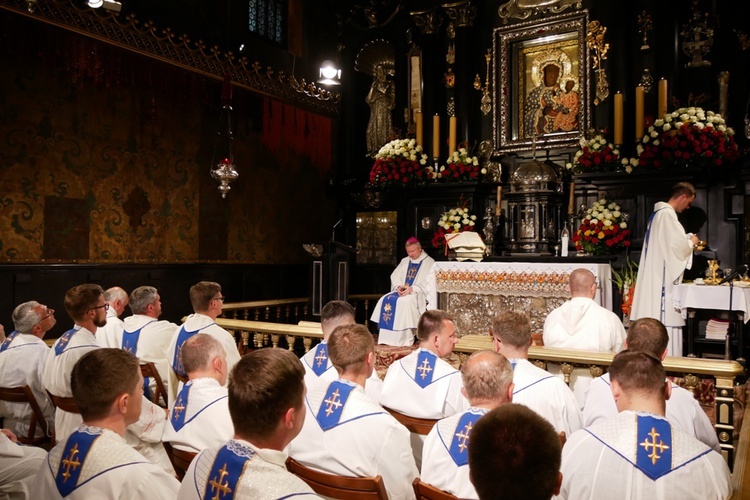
{"points": [[402, 148], [596, 155], [460, 166]]}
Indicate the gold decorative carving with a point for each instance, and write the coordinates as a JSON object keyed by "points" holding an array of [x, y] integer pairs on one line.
{"points": [[147, 39], [539, 364], [290, 341], [567, 369], [461, 13], [524, 9], [691, 382], [428, 21], [596, 371]]}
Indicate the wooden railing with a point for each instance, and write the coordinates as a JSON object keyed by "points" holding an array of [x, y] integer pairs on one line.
{"points": [[692, 370]]}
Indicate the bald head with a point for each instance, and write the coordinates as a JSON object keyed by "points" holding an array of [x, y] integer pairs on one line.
{"points": [[487, 375], [582, 283]]}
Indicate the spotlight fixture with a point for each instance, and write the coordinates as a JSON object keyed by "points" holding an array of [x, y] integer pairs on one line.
{"points": [[107, 4], [95, 4], [329, 74]]}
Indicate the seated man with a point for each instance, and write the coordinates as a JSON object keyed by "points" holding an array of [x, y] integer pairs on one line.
{"points": [[583, 325], [145, 336], [200, 419], [515, 451], [650, 336], [18, 466], [22, 358], [397, 324], [488, 383], [638, 453], [207, 301], [110, 335], [349, 434], [318, 366], [94, 461], [267, 405], [539, 390]]}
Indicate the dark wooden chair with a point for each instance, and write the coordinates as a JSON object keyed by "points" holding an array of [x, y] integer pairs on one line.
{"points": [[65, 404], [24, 394], [421, 426], [426, 491], [341, 487], [150, 371], [180, 459]]}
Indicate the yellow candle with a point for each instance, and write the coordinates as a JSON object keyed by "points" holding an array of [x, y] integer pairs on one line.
{"points": [[572, 199], [639, 113], [420, 128], [451, 134], [618, 118], [498, 205], [662, 111], [436, 136]]}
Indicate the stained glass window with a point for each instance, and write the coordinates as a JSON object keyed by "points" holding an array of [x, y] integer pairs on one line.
{"points": [[267, 18]]}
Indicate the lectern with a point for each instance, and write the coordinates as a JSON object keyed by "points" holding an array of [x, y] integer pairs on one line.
{"points": [[330, 276]]}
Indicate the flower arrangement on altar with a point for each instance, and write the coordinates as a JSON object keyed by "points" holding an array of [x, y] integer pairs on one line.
{"points": [[625, 283], [459, 167], [455, 220], [687, 137], [603, 230], [598, 155], [400, 163]]}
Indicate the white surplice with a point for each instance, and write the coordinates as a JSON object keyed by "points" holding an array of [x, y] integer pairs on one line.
{"points": [[683, 410], [22, 363], [110, 335], [366, 441], [18, 468], [667, 252], [111, 469], [601, 462], [373, 387], [409, 307], [153, 342], [205, 423]]}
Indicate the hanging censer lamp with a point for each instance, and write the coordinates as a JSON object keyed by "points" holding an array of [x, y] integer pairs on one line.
{"points": [[223, 169]]}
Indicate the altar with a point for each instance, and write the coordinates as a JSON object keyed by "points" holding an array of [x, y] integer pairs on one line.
{"points": [[474, 292]]}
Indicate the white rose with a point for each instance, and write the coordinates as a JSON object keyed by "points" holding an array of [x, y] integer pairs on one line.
{"points": [[616, 214], [629, 169], [594, 220], [639, 149], [645, 138], [656, 142], [607, 223], [684, 117], [722, 128], [623, 225], [624, 161], [654, 134], [634, 162], [483, 171], [667, 119], [471, 223], [667, 127], [475, 162], [611, 206], [423, 161], [473, 217], [456, 226], [658, 123], [700, 125], [465, 221], [452, 211]]}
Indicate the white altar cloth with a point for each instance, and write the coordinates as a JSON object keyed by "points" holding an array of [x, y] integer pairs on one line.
{"points": [[690, 296]]}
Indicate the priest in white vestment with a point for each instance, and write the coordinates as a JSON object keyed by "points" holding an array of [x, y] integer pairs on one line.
{"points": [[18, 466], [650, 336], [267, 405], [110, 335], [398, 312], [583, 325], [94, 461], [638, 453], [347, 433], [667, 252], [207, 301], [318, 367], [22, 357], [533, 387], [445, 458], [199, 418]]}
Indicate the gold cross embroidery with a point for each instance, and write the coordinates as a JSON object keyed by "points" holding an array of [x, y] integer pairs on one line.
{"points": [[128, 348], [654, 446], [321, 357], [333, 403], [70, 461], [463, 437], [216, 484], [411, 274], [178, 407], [424, 368], [64, 340]]}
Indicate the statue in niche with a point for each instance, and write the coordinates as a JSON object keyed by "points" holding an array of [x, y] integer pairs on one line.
{"points": [[381, 99]]}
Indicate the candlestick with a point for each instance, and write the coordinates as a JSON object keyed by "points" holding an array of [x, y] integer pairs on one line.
{"points": [[639, 93], [420, 128], [451, 135], [662, 111], [572, 198], [436, 136], [618, 119], [498, 205]]}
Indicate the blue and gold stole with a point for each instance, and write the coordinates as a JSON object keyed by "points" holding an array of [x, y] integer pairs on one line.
{"points": [[130, 339], [6, 343], [182, 336], [460, 443], [74, 455], [62, 342], [226, 472], [388, 306], [320, 362], [332, 407], [425, 368], [654, 451], [179, 410]]}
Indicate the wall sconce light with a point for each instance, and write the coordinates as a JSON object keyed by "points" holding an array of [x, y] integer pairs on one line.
{"points": [[107, 4], [329, 74]]}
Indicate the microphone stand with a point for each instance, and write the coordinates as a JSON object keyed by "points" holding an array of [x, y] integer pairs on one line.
{"points": [[730, 330]]}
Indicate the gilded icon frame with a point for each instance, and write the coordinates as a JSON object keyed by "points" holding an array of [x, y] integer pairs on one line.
{"points": [[520, 52]]}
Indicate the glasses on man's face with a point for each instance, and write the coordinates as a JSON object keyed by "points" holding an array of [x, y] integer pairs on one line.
{"points": [[221, 298], [105, 306], [50, 313]]}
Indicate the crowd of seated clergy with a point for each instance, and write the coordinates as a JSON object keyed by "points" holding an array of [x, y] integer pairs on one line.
{"points": [[498, 421]]}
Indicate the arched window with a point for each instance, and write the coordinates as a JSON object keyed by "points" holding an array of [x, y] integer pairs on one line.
{"points": [[267, 18]]}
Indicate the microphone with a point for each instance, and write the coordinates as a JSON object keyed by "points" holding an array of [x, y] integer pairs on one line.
{"points": [[740, 270], [333, 236]]}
